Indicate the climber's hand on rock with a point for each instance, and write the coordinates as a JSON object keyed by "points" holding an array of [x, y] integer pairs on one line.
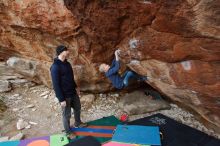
{"points": [[116, 55], [117, 52]]}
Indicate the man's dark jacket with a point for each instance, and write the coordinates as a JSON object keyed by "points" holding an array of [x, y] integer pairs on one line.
{"points": [[63, 79]]}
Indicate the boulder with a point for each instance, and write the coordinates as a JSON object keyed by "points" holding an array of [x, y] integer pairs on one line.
{"points": [[3, 139], [138, 103], [19, 136], [5, 86]]}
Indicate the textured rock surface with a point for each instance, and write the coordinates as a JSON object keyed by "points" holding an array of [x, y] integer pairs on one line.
{"points": [[31, 69], [4, 86], [176, 43], [32, 30], [137, 103]]}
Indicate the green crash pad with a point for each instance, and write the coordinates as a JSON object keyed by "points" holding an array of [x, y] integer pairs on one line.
{"points": [[105, 121], [58, 140]]}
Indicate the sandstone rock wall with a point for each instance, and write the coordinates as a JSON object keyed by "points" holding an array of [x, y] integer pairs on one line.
{"points": [[175, 43], [32, 29]]}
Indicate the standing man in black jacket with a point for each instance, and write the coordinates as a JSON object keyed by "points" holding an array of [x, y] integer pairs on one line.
{"points": [[65, 88]]}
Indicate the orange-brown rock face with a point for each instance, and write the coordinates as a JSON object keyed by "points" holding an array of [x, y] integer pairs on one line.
{"points": [[32, 29], [175, 43]]}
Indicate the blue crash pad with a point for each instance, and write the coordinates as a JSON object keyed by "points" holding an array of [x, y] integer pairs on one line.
{"points": [[9, 143], [132, 134]]}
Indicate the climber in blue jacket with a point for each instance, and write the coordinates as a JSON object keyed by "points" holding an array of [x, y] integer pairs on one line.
{"points": [[112, 74]]}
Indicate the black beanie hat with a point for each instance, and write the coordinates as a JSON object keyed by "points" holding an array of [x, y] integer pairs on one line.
{"points": [[60, 49]]}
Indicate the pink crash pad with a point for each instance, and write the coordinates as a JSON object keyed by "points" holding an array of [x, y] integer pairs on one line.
{"points": [[117, 144]]}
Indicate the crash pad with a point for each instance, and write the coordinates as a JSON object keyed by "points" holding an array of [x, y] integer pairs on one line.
{"points": [[42, 141], [95, 130], [85, 141], [58, 140], [105, 123], [111, 143], [175, 133], [54, 140], [9, 143], [134, 134]]}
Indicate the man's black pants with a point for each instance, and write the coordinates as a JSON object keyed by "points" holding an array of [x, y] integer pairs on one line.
{"points": [[72, 102]]}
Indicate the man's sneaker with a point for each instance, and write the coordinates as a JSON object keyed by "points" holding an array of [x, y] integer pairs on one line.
{"points": [[81, 125]]}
